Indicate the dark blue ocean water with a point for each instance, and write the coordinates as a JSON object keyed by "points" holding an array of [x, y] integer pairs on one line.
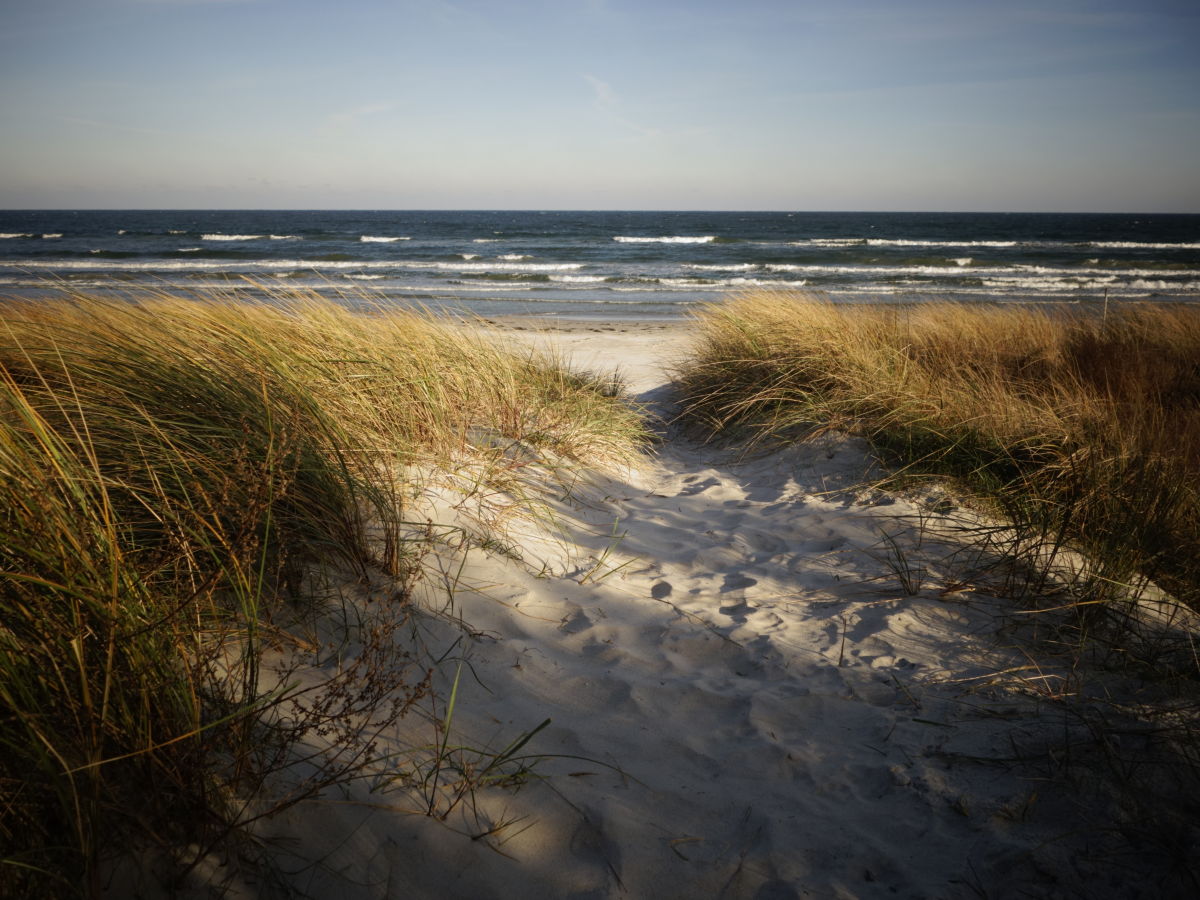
{"points": [[604, 264]]}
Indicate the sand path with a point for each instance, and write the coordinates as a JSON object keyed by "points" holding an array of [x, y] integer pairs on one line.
{"points": [[745, 699]]}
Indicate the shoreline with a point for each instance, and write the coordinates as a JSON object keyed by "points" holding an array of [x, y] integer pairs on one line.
{"points": [[554, 325], [639, 353]]}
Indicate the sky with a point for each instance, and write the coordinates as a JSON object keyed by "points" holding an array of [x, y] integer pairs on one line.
{"points": [[973, 105]]}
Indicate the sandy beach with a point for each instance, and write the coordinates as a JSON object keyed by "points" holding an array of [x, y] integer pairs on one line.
{"points": [[761, 680], [600, 450]]}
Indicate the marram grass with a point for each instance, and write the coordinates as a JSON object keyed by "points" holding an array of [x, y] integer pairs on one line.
{"points": [[1082, 425], [169, 471]]}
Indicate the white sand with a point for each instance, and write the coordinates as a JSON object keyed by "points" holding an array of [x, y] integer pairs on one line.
{"points": [[744, 701]]}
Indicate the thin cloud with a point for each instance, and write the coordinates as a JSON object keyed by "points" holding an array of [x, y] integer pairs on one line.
{"points": [[606, 99], [605, 96]]}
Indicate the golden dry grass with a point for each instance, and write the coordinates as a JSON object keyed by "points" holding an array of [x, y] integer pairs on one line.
{"points": [[169, 471], [1079, 423]]}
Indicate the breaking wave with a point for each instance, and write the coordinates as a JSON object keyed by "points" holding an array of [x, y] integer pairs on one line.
{"points": [[706, 239]]}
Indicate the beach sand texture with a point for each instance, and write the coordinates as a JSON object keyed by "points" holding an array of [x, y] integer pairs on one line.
{"points": [[746, 698]]}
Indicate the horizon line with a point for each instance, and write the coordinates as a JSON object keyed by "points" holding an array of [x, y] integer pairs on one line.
{"points": [[536, 209]]}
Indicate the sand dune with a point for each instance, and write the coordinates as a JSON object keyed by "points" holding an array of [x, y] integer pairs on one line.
{"points": [[749, 696]]}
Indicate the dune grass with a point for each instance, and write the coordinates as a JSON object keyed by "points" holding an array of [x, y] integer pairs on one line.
{"points": [[171, 472], [1082, 426]]}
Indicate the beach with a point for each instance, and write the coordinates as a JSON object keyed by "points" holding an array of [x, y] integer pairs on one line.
{"points": [[600, 450], [725, 676]]}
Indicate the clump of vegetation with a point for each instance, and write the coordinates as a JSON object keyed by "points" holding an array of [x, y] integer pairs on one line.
{"points": [[1081, 425], [172, 473], [1076, 431]]}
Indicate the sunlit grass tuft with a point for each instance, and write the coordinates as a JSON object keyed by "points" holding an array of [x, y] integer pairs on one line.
{"points": [[171, 472], [1082, 426]]}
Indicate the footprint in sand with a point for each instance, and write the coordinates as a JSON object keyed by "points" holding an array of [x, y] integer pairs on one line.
{"points": [[736, 611], [697, 487], [661, 589], [575, 622], [736, 581]]}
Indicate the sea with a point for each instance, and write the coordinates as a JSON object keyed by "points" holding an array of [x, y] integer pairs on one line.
{"points": [[601, 265]]}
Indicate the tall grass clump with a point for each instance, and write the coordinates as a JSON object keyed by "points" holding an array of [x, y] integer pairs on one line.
{"points": [[171, 473], [1081, 425]]}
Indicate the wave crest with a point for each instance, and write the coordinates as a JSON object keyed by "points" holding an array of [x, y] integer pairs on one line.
{"points": [[677, 239]]}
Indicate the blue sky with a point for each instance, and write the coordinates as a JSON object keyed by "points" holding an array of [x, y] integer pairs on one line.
{"points": [[601, 104]]}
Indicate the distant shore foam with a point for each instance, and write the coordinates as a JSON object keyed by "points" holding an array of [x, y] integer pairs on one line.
{"points": [[624, 239], [580, 257]]}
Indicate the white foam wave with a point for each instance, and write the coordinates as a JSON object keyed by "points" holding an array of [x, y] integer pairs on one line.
{"points": [[514, 256], [865, 270], [231, 237], [176, 231], [1138, 245], [1067, 284], [701, 284], [381, 239], [981, 271], [1165, 285], [486, 241], [899, 242], [9, 235], [52, 235], [177, 266], [759, 282], [994, 244], [520, 275], [492, 266], [1113, 273], [680, 239], [829, 242], [485, 286], [1033, 284], [285, 237]]}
